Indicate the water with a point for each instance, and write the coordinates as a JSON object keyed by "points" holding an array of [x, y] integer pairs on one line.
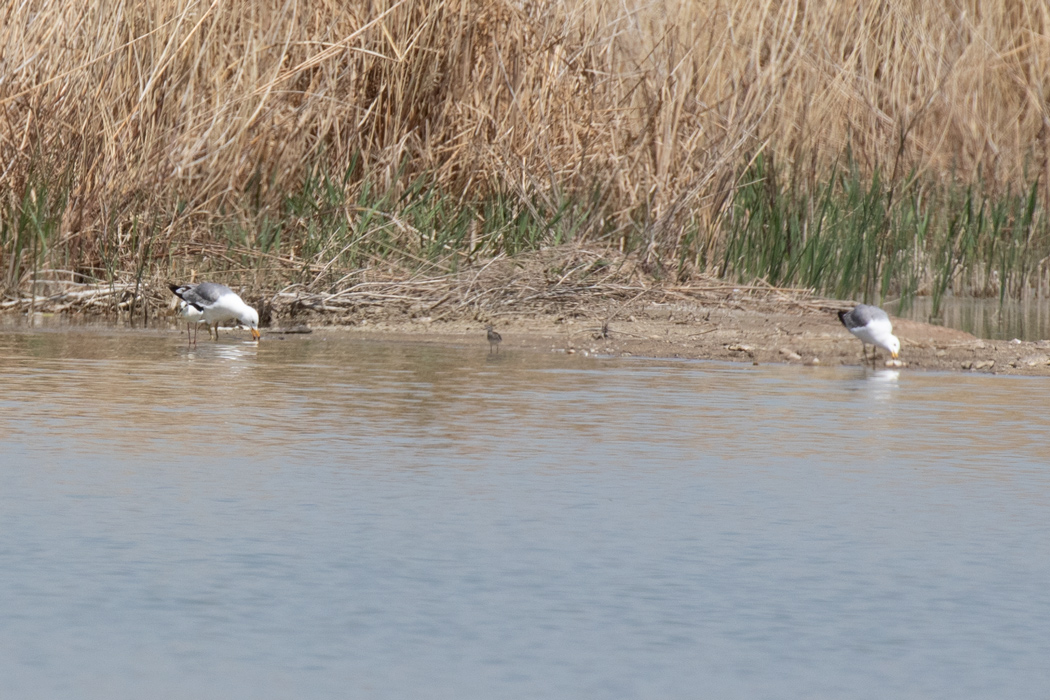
{"points": [[322, 517], [1027, 319]]}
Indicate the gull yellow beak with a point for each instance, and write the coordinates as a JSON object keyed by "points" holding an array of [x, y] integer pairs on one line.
{"points": [[894, 355], [256, 334]]}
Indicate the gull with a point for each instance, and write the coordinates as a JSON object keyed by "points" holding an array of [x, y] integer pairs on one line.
{"points": [[870, 324], [494, 338], [218, 303]]}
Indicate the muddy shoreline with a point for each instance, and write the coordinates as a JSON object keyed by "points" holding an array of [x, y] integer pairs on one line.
{"points": [[799, 336], [571, 300], [749, 331]]}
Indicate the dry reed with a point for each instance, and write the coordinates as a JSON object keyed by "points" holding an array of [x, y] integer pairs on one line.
{"points": [[178, 115]]}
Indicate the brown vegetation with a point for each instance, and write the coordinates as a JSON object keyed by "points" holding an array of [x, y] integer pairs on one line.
{"points": [[189, 113]]}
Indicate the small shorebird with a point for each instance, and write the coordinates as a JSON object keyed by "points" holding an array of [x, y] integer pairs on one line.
{"points": [[494, 338], [218, 303], [193, 317], [870, 324]]}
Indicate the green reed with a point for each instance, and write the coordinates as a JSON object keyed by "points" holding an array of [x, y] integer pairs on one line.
{"points": [[847, 235], [851, 236], [29, 221], [335, 224]]}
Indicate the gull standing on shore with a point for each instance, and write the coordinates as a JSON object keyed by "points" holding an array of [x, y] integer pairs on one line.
{"points": [[218, 303], [870, 324]]}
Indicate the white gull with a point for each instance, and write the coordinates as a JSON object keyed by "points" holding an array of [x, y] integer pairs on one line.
{"points": [[217, 304], [871, 325]]}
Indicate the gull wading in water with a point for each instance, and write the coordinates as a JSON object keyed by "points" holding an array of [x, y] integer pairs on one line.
{"points": [[871, 325], [218, 303]]}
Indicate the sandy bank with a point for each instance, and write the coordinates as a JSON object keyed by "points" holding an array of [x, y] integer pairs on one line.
{"points": [[803, 335]]}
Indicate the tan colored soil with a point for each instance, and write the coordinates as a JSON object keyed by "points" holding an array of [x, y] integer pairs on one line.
{"points": [[802, 335]]}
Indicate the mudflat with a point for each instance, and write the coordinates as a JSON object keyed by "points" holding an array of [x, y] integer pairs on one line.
{"points": [[571, 300], [750, 331]]}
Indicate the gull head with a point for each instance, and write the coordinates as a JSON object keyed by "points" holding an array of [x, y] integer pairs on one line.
{"points": [[893, 344], [250, 317]]}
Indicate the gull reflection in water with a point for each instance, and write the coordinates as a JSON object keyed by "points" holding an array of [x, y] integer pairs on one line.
{"points": [[229, 352], [240, 351], [881, 384], [878, 385]]}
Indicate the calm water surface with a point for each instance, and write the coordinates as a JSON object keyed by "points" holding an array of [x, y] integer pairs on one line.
{"points": [[1027, 319], [323, 517]]}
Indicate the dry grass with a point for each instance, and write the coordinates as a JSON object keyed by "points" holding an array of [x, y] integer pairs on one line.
{"points": [[569, 282], [186, 113], [566, 283]]}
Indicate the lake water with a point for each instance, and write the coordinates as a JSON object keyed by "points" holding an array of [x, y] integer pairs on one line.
{"points": [[1027, 319], [325, 517]]}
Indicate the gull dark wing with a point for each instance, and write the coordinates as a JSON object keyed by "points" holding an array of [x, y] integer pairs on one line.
{"points": [[848, 320], [200, 295], [178, 290], [876, 314], [186, 293], [861, 315], [210, 292]]}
